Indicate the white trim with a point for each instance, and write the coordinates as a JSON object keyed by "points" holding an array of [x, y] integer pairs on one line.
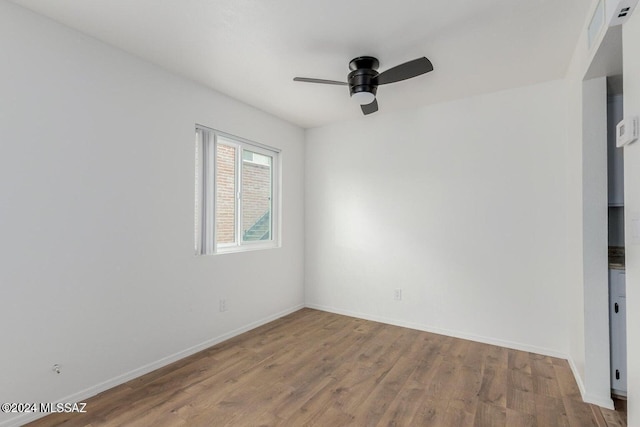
{"points": [[246, 247], [596, 24], [239, 193], [441, 331], [603, 401], [209, 203], [197, 231], [237, 190], [204, 229], [145, 369], [238, 138]]}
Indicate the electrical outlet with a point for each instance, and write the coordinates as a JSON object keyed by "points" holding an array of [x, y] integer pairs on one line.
{"points": [[223, 305], [397, 294]]}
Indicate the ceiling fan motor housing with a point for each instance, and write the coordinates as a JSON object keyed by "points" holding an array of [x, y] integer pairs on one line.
{"points": [[363, 77]]}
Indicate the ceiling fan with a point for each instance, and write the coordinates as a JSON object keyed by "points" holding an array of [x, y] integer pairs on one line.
{"points": [[363, 80]]}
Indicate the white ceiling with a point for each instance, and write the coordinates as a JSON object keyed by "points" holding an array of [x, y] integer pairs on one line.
{"points": [[251, 49]]}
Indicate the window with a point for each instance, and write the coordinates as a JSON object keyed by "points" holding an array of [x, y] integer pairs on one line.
{"points": [[236, 194]]}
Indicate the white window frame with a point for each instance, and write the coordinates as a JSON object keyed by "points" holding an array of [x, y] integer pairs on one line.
{"points": [[206, 143]]}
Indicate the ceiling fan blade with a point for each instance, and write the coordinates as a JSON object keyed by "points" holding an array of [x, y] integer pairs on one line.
{"points": [[326, 82], [370, 108], [405, 71]]}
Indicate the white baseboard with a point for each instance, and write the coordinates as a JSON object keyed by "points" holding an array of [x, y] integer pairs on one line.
{"points": [[448, 332], [121, 379], [603, 401]]}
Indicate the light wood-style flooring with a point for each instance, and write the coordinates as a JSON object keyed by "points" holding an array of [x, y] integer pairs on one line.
{"points": [[323, 369]]}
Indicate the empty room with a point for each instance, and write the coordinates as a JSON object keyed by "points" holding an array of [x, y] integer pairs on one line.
{"points": [[244, 212]]}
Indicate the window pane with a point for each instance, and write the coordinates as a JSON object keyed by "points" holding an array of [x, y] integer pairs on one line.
{"points": [[226, 194], [256, 196]]}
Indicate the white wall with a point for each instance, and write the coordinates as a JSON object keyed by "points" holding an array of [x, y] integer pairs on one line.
{"points": [[595, 239], [98, 271], [574, 233], [462, 205], [631, 46]]}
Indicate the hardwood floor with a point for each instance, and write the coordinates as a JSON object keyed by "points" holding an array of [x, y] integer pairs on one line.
{"points": [[317, 368]]}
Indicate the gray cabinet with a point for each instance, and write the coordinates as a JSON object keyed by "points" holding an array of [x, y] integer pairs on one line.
{"points": [[618, 331]]}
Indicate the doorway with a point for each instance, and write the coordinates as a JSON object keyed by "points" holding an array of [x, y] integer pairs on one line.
{"points": [[603, 219]]}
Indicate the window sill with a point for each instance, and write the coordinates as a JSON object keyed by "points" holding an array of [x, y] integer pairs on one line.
{"points": [[246, 248]]}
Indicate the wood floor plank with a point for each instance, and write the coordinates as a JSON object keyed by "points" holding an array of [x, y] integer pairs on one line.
{"points": [[519, 380], [403, 408], [432, 412], [468, 386], [489, 415], [299, 397], [377, 402], [496, 357], [611, 418], [313, 368], [519, 361], [457, 351], [441, 386], [426, 369], [518, 419], [546, 386], [543, 368], [579, 414], [476, 354], [566, 381], [598, 415], [520, 401], [494, 387], [550, 411], [457, 415]]}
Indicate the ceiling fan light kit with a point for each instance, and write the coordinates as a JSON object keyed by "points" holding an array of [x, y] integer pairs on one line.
{"points": [[364, 79], [363, 98]]}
